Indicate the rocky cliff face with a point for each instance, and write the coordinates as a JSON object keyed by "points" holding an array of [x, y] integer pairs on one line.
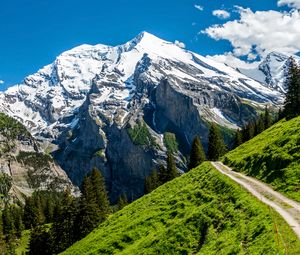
{"points": [[25, 163], [108, 107]]}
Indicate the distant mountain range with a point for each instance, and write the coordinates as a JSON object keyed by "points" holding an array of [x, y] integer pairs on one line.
{"points": [[272, 70], [109, 107]]}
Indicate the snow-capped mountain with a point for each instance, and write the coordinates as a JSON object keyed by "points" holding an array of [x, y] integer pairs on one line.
{"points": [[59, 88], [93, 102], [272, 70]]}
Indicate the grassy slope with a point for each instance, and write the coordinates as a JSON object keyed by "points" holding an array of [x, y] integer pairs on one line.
{"points": [[201, 212], [273, 157]]}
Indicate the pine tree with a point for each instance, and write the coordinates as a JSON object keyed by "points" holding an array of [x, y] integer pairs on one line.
{"points": [[100, 192], [16, 212], [162, 174], [122, 201], [292, 100], [87, 190], [267, 118], [9, 229], [197, 155], [260, 124], [89, 215], [151, 182], [31, 216], [40, 241], [248, 131], [64, 229], [280, 115], [172, 171], [49, 210], [238, 140], [216, 146]]}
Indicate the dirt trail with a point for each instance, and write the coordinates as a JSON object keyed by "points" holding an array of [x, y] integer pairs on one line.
{"points": [[287, 208]]}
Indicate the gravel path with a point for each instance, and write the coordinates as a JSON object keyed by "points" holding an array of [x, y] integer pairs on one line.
{"points": [[287, 208]]}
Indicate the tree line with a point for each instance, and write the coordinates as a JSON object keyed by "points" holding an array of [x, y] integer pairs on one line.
{"points": [[56, 219], [291, 107], [253, 128], [216, 149]]}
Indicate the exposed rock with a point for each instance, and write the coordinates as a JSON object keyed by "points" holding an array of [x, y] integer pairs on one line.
{"points": [[89, 100]]}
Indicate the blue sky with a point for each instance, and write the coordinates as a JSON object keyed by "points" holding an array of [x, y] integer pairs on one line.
{"points": [[34, 32]]}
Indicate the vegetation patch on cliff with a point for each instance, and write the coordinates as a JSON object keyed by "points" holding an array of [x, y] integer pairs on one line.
{"points": [[170, 142], [140, 135]]}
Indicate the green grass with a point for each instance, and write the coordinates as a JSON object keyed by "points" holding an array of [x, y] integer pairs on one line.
{"points": [[273, 157], [201, 212]]}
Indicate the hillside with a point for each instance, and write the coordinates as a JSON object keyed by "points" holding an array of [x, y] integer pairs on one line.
{"points": [[273, 157], [201, 212], [24, 163]]}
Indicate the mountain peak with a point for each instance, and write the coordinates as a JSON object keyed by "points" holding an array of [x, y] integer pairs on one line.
{"points": [[144, 35], [276, 56], [145, 39]]}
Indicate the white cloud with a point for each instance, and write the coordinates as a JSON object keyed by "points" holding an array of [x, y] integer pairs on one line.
{"points": [[229, 59], [199, 7], [222, 14], [260, 32], [179, 44], [1, 82], [290, 3]]}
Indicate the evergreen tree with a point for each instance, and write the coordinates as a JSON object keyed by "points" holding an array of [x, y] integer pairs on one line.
{"points": [[87, 189], [267, 118], [89, 215], [16, 212], [5, 186], [216, 146], [40, 241], [248, 131], [261, 123], [280, 115], [49, 210], [197, 155], [238, 140], [152, 182], [172, 171], [31, 216], [122, 201], [9, 229], [64, 230], [100, 192], [292, 100], [162, 174]]}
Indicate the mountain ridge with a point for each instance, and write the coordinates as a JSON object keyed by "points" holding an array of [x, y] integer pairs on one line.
{"points": [[85, 102], [272, 70]]}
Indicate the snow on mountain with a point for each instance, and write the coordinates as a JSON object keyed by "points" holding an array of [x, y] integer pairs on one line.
{"points": [[272, 70], [89, 99], [59, 88]]}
